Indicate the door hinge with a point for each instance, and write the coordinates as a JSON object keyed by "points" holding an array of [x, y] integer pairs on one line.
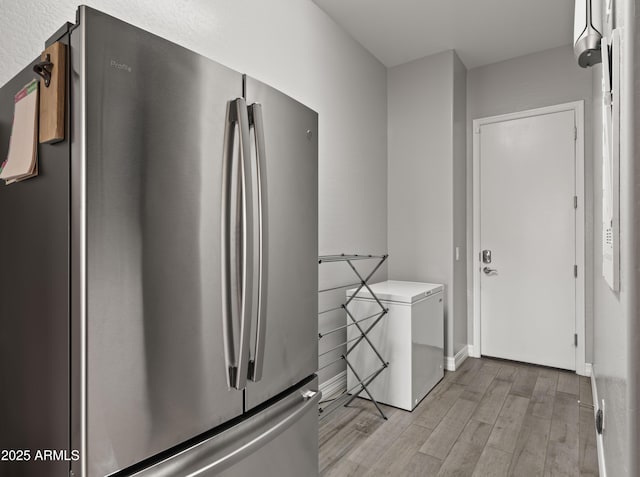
{"points": [[575, 340], [575, 271], [575, 133], [575, 201]]}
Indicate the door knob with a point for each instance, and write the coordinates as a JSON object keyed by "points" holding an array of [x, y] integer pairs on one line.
{"points": [[488, 270]]}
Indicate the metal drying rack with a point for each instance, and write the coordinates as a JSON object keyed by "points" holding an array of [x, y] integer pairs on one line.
{"points": [[349, 395]]}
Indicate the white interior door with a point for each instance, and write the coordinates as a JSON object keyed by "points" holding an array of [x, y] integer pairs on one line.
{"points": [[527, 222]]}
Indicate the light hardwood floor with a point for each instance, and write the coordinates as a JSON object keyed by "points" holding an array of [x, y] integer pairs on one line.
{"points": [[489, 418]]}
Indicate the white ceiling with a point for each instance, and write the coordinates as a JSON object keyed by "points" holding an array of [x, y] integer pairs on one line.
{"points": [[481, 31]]}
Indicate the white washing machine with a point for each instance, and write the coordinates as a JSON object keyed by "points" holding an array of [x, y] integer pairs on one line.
{"points": [[410, 338]]}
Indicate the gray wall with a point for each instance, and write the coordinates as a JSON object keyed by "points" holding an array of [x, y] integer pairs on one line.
{"points": [[610, 327], [615, 319], [426, 208], [633, 338], [311, 59], [540, 79]]}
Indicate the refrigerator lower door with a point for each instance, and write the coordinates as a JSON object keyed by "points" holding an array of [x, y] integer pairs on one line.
{"points": [[279, 441], [290, 287], [149, 128]]}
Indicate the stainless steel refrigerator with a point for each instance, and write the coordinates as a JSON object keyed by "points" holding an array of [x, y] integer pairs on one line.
{"points": [[158, 293]]}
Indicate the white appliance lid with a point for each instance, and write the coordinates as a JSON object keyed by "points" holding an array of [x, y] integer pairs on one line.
{"points": [[399, 291]]}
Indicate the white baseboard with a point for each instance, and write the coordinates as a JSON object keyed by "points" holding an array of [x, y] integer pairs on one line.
{"points": [[453, 363], [472, 352], [588, 369], [334, 385], [596, 405]]}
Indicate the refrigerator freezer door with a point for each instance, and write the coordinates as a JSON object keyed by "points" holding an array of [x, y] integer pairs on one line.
{"points": [[155, 117], [34, 304], [290, 157], [279, 441]]}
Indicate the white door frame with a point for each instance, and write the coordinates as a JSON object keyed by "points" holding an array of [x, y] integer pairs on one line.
{"points": [[578, 109]]}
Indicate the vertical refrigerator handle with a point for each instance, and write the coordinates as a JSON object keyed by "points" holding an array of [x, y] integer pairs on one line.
{"points": [[237, 244], [261, 265]]}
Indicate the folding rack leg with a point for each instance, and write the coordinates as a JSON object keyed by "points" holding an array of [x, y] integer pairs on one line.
{"points": [[362, 384], [363, 281], [364, 335], [364, 387], [383, 310]]}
